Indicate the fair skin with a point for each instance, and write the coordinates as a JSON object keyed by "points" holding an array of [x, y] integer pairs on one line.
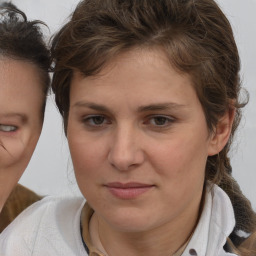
{"points": [[21, 100], [139, 144]]}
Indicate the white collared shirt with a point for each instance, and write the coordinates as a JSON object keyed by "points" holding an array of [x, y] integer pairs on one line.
{"points": [[52, 227], [216, 223]]}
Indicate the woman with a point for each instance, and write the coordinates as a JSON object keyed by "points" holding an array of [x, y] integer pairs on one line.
{"points": [[148, 91], [24, 82]]}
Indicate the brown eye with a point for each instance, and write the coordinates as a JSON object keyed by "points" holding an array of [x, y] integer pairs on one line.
{"points": [[98, 120], [95, 121], [160, 120]]}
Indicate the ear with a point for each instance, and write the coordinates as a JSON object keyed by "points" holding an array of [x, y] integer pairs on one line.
{"points": [[222, 132]]}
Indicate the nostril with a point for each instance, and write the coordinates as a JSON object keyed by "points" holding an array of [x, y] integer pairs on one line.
{"points": [[124, 162]]}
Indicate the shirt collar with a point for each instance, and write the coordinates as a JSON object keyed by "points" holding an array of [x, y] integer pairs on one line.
{"points": [[85, 218], [215, 225]]}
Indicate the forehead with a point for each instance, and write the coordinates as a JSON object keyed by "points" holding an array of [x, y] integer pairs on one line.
{"points": [[18, 75], [137, 76], [20, 88], [136, 62]]}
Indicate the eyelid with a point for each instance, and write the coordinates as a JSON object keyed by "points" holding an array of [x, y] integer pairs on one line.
{"points": [[169, 119], [163, 116], [86, 119]]}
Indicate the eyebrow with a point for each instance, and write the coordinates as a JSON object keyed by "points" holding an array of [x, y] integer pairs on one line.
{"points": [[160, 106], [21, 116], [146, 108], [91, 105]]}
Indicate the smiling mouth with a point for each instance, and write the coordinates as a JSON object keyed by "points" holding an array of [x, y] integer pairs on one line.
{"points": [[128, 191]]}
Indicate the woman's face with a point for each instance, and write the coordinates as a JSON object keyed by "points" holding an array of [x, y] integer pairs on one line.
{"points": [[21, 100], [139, 142]]}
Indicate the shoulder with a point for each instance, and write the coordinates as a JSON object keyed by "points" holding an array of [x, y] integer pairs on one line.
{"points": [[45, 209], [45, 221]]}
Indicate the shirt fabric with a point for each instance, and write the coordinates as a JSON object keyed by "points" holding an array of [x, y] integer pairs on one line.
{"points": [[52, 227]]}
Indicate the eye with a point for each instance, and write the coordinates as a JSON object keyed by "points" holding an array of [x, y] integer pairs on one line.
{"points": [[7, 128], [160, 121], [95, 120]]}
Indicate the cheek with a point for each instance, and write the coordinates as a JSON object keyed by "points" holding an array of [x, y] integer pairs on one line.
{"points": [[181, 169], [12, 150], [87, 156], [180, 159], [88, 159], [17, 149]]}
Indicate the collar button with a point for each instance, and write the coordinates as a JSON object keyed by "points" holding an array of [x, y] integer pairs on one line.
{"points": [[192, 252]]}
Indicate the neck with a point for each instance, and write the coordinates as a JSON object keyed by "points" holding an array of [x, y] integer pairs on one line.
{"points": [[163, 240]]}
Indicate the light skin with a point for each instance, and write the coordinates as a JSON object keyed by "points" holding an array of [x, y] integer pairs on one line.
{"points": [[21, 99], [139, 144]]}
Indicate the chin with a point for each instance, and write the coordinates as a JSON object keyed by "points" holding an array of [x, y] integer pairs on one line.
{"points": [[127, 221]]}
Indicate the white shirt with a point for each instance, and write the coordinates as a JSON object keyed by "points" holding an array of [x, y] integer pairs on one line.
{"points": [[216, 223], [51, 227]]}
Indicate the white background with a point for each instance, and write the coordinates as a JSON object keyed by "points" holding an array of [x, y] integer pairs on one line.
{"points": [[50, 170]]}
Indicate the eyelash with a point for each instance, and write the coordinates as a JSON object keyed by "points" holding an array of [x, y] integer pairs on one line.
{"points": [[8, 128], [167, 121], [89, 121]]}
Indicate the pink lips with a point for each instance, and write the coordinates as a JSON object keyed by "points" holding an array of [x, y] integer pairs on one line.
{"points": [[129, 190]]}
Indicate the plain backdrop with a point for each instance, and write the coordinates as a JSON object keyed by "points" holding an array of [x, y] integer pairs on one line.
{"points": [[50, 170]]}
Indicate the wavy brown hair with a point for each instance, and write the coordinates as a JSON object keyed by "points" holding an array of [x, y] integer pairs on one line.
{"points": [[198, 40]]}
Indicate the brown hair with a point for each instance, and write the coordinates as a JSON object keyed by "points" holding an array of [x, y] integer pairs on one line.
{"points": [[19, 199], [197, 38], [23, 40]]}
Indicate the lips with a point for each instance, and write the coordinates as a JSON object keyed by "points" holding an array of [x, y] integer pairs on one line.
{"points": [[131, 190]]}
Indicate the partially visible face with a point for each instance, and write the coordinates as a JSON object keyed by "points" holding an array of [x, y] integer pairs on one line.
{"points": [[21, 99], [139, 142]]}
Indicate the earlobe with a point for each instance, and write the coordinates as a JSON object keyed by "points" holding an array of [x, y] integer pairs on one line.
{"points": [[222, 132]]}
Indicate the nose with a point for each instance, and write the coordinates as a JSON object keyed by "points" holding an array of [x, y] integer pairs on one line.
{"points": [[125, 151]]}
